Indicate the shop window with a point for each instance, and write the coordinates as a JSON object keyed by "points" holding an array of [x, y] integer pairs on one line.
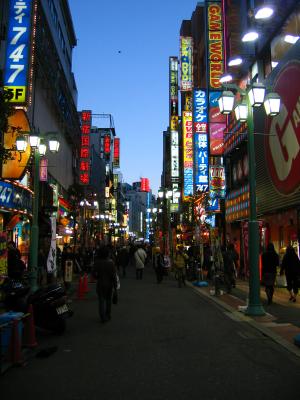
{"points": [[286, 38]]}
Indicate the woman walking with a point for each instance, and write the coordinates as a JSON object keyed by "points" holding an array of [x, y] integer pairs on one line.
{"points": [[270, 262], [291, 266]]}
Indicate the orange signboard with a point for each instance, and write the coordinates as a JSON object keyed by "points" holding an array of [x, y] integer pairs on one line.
{"points": [[15, 168]]}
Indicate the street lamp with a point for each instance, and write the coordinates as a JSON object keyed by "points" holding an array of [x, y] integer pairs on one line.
{"points": [[39, 147], [253, 97]]}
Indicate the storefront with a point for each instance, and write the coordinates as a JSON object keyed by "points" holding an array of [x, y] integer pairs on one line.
{"points": [[278, 158], [15, 213]]}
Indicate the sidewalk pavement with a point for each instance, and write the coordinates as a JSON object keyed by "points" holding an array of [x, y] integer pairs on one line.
{"points": [[281, 322]]}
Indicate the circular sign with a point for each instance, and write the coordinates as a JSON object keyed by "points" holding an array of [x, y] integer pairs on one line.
{"points": [[15, 168], [282, 142]]}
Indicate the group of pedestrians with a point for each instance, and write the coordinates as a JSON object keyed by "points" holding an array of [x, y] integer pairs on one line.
{"points": [[107, 265], [290, 266]]}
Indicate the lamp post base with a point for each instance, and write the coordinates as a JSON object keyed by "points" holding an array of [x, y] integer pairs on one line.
{"points": [[255, 310]]}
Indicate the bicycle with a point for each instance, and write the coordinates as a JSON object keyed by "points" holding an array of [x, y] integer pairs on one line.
{"points": [[179, 275]]}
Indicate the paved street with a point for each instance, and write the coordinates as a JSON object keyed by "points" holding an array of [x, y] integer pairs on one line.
{"points": [[162, 343]]}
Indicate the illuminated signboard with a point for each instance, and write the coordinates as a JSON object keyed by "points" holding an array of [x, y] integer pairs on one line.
{"points": [[84, 164], [18, 48], [201, 162], [186, 62], [217, 125], [174, 154], [217, 184], [15, 167], [200, 111], [188, 102], [173, 88], [106, 144], [145, 185], [187, 140], [215, 44], [116, 152]]}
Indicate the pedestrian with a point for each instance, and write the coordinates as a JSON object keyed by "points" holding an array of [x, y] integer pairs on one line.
{"points": [[180, 261], [106, 274], [15, 266], [228, 268], [140, 258], [159, 265], [235, 259], [123, 259], [67, 266], [291, 267], [270, 262]]}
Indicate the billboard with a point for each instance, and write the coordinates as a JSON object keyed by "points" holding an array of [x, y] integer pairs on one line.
{"points": [[174, 154], [173, 88], [145, 187], [84, 163], [201, 162], [215, 44], [188, 159], [186, 62], [217, 184], [173, 98], [278, 151], [217, 125], [106, 144], [116, 152], [17, 58], [15, 168], [200, 110]]}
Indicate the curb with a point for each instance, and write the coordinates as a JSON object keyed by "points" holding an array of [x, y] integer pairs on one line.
{"points": [[242, 317]]}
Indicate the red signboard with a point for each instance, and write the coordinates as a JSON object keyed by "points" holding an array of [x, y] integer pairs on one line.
{"points": [[84, 164], [145, 185], [282, 143], [116, 152], [106, 144]]}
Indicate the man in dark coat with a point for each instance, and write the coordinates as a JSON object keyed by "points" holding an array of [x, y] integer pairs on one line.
{"points": [[291, 266], [270, 262], [228, 266], [106, 274]]}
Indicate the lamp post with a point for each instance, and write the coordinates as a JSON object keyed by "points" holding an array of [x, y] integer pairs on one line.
{"points": [[253, 97], [39, 148]]}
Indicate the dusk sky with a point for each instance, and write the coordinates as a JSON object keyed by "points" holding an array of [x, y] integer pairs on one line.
{"points": [[121, 68]]}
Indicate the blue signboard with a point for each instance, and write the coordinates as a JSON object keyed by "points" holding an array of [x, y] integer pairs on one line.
{"points": [[18, 50], [201, 162], [15, 197], [188, 182], [213, 205], [200, 110]]}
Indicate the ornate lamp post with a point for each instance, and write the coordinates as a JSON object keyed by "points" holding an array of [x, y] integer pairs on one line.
{"points": [[39, 148], [253, 97]]}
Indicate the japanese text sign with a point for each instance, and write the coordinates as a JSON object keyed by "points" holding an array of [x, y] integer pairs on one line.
{"points": [[200, 110], [201, 162], [84, 164], [18, 50], [186, 57], [116, 152], [188, 159]]}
